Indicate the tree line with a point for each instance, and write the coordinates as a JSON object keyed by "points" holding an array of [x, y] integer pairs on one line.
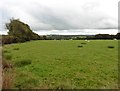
{"points": [[21, 32]]}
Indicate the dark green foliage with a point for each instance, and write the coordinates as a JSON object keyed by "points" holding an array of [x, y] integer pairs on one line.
{"points": [[110, 46], [83, 37], [23, 62], [18, 32], [6, 39], [104, 36], [118, 35], [18, 29]]}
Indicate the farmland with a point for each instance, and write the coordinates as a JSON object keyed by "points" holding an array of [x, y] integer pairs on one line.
{"points": [[63, 64]]}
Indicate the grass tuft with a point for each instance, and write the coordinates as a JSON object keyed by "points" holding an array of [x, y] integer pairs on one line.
{"points": [[6, 51], [23, 62], [5, 64], [80, 46], [7, 57], [16, 49], [6, 81], [110, 46], [83, 43]]}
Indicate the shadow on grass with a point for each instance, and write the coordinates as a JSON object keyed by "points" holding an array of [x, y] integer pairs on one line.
{"points": [[80, 46], [110, 46]]}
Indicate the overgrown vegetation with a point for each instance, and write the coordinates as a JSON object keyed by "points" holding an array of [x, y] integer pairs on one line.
{"points": [[7, 66], [18, 32]]}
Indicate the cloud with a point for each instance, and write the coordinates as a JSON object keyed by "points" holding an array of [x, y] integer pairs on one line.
{"points": [[61, 14]]}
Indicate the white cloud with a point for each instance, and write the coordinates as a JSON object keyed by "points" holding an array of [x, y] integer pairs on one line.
{"points": [[62, 14]]}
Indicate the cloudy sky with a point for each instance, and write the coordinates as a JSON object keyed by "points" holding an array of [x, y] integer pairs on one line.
{"points": [[63, 16]]}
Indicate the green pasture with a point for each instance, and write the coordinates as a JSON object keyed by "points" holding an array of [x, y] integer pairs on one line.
{"points": [[64, 64]]}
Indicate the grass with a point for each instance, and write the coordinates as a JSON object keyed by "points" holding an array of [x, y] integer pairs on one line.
{"points": [[23, 62], [5, 51], [83, 43], [7, 56], [62, 64], [15, 48]]}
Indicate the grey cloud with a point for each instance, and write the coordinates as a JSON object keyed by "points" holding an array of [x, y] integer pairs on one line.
{"points": [[64, 21], [48, 18]]}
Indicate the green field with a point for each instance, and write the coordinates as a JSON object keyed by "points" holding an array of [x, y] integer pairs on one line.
{"points": [[61, 64]]}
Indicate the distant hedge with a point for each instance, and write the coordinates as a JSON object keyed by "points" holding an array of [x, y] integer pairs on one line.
{"points": [[7, 39]]}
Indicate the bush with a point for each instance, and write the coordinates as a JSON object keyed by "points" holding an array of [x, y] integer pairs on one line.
{"points": [[23, 62], [6, 39], [19, 32]]}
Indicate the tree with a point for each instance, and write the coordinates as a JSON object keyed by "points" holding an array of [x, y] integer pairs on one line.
{"points": [[21, 30], [118, 35]]}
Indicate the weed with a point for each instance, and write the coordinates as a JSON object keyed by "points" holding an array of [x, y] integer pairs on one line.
{"points": [[5, 64], [23, 62], [6, 51], [6, 81], [7, 57], [16, 49]]}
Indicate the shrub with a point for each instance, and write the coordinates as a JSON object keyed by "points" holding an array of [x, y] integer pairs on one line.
{"points": [[110, 46], [6, 39], [23, 62]]}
